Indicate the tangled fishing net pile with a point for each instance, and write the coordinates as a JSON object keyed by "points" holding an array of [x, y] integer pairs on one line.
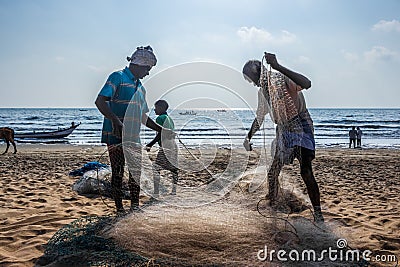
{"points": [[228, 231]]}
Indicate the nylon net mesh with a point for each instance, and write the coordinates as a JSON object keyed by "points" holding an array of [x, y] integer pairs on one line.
{"points": [[283, 111], [228, 231]]}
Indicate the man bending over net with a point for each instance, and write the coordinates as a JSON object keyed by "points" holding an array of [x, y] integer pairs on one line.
{"points": [[280, 95]]}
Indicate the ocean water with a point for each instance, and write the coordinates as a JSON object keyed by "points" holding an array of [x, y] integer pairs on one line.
{"points": [[220, 128]]}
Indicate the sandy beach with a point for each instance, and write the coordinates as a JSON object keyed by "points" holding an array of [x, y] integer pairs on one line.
{"points": [[360, 191]]}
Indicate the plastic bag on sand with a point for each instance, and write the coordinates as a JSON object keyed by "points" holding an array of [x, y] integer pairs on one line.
{"points": [[93, 182]]}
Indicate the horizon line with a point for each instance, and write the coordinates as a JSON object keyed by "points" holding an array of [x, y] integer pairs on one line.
{"points": [[200, 108]]}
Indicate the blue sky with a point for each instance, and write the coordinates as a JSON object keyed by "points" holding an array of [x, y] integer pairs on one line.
{"points": [[59, 53]]}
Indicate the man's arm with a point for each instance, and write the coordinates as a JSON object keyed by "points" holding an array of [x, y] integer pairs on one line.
{"points": [[298, 78], [146, 120], [104, 108], [168, 133], [154, 126], [155, 140], [255, 126], [262, 110]]}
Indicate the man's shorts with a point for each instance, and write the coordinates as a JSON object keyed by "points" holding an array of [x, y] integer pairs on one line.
{"points": [[301, 153]]}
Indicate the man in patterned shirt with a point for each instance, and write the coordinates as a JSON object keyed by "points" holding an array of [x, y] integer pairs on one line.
{"points": [[122, 101], [280, 95]]}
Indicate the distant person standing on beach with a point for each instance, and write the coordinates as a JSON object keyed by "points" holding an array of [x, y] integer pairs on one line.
{"points": [[167, 156], [359, 135], [123, 89], [352, 137], [280, 95]]}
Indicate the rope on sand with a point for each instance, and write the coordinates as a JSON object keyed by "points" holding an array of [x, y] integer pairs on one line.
{"points": [[99, 182], [278, 218]]}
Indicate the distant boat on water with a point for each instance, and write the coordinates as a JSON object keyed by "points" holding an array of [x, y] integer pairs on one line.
{"points": [[188, 112], [60, 133], [221, 110]]}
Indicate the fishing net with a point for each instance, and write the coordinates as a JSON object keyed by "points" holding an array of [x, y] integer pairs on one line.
{"points": [[181, 230], [196, 174], [294, 127], [189, 172], [81, 243], [283, 112], [228, 232], [84, 243], [92, 241], [213, 220]]}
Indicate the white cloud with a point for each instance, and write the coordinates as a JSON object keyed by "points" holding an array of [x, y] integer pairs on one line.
{"points": [[380, 53], [261, 36], [253, 34], [387, 26], [375, 54], [351, 57]]}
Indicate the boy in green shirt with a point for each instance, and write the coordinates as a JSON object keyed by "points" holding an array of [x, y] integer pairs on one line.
{"points": [[167, 157]]}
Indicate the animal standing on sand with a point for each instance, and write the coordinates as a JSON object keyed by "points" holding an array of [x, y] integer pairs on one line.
{"points": [[8, 135]]}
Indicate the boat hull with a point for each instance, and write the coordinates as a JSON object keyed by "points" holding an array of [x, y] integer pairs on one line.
{"points": [[47, 135]]}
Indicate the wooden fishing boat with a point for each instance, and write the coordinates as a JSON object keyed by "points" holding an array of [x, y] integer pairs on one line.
{"points": [[60, 133], [188, 112]]}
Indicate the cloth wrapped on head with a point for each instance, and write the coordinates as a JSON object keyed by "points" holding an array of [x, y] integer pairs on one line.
{"points": [[143, 56]]}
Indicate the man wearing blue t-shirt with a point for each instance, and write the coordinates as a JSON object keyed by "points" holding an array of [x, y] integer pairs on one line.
{"points": [[122, 101]]}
